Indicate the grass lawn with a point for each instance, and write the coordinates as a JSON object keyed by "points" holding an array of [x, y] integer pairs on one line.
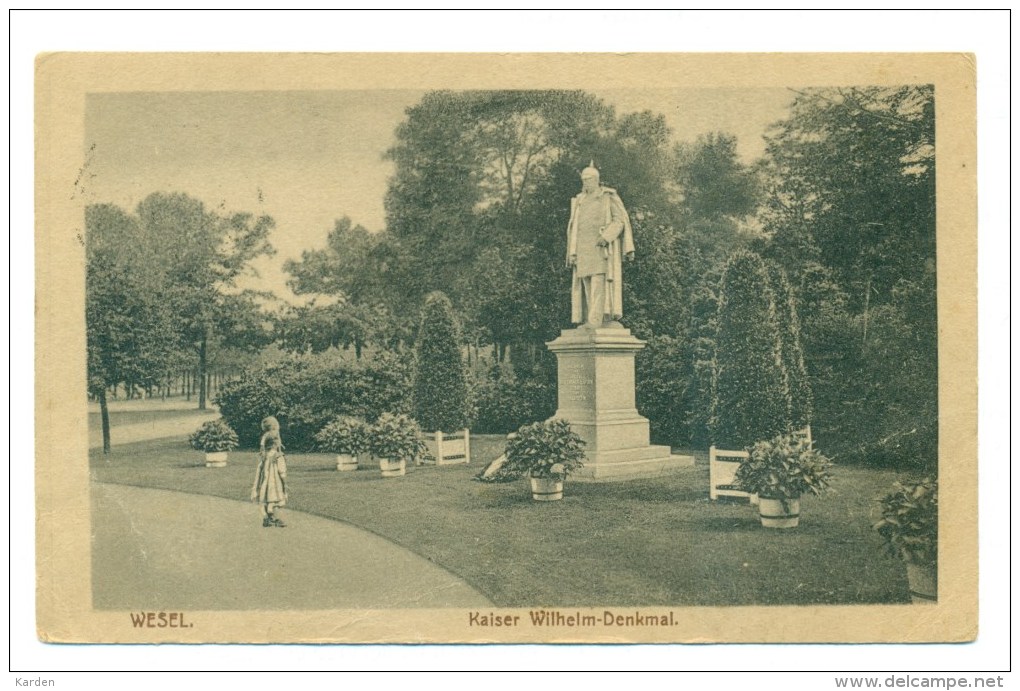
{"points": [[633, 543]]}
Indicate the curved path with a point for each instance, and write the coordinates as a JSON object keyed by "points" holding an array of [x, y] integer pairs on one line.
{"points": [[161, 550], [177, 421]]}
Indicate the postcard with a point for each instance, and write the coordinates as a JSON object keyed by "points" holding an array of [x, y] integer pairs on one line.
{"points": [[506, 348]]}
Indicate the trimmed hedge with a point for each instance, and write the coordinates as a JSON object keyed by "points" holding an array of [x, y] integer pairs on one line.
{"points": [[752, 395], [440, 390], [801, 399], [505, 401], [307, 392]]}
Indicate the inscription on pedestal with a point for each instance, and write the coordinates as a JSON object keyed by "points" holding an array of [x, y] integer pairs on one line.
{"points": [[576, 388]]}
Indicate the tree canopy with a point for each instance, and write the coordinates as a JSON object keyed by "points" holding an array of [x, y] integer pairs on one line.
{"points": [[161, 289], [842, 205]]}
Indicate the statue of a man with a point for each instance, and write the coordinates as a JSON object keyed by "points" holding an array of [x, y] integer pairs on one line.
{"points": [[598, 238]]}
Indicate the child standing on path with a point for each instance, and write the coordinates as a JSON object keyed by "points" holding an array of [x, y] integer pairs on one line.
{"points": [[270, 488]]}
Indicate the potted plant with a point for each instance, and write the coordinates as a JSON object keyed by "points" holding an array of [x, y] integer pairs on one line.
{"points": [[547, 452], [346, 437], [909, 527], [216, 438], [394, 440], [780, 471]]}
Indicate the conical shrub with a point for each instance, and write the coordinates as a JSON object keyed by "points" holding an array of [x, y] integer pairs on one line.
{"points": [[440, 388], [752, 393], [801, 399]]}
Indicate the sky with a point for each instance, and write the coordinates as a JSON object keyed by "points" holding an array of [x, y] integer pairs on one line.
{"points": [[307, 158]]}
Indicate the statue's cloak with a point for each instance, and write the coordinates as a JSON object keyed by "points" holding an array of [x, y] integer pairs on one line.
{"points": [[620, 237]]}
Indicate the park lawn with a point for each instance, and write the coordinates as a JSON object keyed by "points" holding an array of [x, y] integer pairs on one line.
{"points": [[633, 543]]}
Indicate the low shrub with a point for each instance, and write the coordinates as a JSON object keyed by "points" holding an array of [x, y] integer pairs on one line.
{"points": [[910, 521], [214, 436], [344, 435]]}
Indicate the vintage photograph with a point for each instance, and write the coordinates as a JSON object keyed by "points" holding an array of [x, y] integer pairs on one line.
{"points": [[538, 349]]}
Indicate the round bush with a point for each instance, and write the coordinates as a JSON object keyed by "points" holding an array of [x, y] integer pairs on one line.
{"points": [[344, 435], [214, 436]]}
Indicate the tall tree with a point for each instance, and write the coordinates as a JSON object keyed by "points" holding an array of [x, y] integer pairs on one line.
{"points": [[362, 271], [131, 330], [485, 177], [852, 183], [713, 181], [850, 215], [205, 252], [354, 264]]}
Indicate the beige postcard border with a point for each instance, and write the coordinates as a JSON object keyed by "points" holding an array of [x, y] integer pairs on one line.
{"points": [[61, 474]]}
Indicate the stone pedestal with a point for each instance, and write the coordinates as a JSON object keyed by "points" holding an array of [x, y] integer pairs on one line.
{"points": [[595, 377]]}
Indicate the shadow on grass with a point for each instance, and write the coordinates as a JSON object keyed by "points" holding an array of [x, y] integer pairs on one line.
{"points": [[726, 525], [666, 490]]}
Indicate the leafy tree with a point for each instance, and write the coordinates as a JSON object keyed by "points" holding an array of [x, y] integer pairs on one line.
{"points": [[131, 331], [752, 398], [354, 265], [204, 253], [440, 388], [851, 176], [850, 215], [315, 328], [480, 197], [363, 271], [713, 182]]}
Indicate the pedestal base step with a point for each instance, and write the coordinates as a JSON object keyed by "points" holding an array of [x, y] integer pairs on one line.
{"points": [[628, 464]]}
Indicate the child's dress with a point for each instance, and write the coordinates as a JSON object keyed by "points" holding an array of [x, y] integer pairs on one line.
{"points": [[270, 488]]}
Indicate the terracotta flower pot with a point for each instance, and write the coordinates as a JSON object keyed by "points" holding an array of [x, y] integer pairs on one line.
{"points": [[774, 514], [345, 461], [546, 489], [924, 583], [392, 468], [215, 459]]}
